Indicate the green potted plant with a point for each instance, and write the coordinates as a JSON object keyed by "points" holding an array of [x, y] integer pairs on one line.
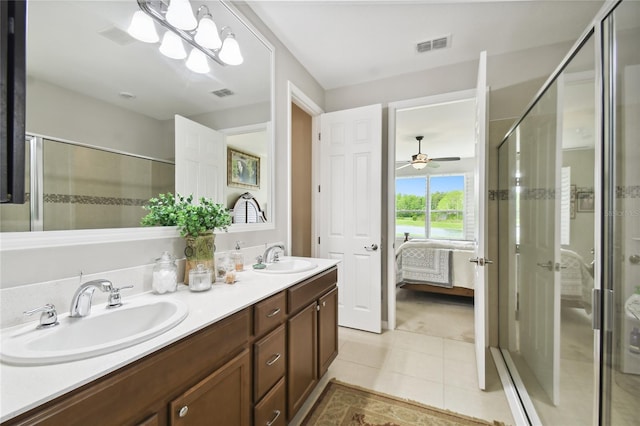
{"points": [[196, 223]]}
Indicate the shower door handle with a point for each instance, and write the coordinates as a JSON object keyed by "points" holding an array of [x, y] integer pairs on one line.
{"points": [[549, 265]]}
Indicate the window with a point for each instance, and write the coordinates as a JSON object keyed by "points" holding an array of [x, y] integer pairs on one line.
{"points": [[447, 214]]}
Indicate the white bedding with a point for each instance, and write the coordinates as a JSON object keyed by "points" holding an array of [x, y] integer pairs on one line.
{"points": [[462, 271]]}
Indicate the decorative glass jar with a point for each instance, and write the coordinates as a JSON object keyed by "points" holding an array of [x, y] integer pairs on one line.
{"points": [[165, 274]]}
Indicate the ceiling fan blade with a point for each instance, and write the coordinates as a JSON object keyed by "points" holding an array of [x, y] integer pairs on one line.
{"points": [[402, 167], [433, 165], [446, 159]]}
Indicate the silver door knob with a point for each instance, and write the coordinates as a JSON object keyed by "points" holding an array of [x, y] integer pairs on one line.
{"points": [[372, 247], [480, 261], [634, 258]]}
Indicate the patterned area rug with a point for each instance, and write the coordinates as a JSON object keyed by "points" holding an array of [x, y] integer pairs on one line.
{"points": [[341, 404]]}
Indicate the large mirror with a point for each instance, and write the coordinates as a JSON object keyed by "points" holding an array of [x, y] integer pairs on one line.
{"points": [[101, 113]]}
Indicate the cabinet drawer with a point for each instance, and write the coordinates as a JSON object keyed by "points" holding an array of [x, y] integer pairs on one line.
{"points": [[269, 313], [270, 361], [309, 290], [271, 410]]}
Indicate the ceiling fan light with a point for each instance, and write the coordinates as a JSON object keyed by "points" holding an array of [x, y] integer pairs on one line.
{"points": [[418, 165], [207, 34], [142, 28], [172, 46], [180, 15], [197, 62], [230, 51]]}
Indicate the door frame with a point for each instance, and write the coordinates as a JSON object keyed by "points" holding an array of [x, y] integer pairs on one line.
{"points": [[304, 102], [390, 324]]}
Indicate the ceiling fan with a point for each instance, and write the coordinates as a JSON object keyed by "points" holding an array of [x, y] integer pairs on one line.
{"points": [[420, 160]]}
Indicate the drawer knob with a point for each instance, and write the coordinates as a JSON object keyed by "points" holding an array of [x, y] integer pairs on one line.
{"points": [[273, 313], [273, 360], [276, 414], [183, 411]]}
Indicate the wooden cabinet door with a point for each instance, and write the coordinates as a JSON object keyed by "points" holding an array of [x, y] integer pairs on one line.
{"points": [[302, 352], [223, 397], [327, 330]]}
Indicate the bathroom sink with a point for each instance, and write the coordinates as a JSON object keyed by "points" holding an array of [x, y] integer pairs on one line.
{"points": [[102, 331], [288, 265]]}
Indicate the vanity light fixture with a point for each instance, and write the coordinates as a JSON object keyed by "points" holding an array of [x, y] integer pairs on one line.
{"points": [[142, 28], [183, 26], [180, 15], [197, 62], [172, 46]]}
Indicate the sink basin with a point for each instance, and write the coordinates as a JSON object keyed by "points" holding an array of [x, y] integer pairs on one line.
{"points": [[288, 265], [102, 331]]}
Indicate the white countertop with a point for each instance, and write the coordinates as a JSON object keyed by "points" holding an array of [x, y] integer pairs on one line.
{"points": [[25, 387]]}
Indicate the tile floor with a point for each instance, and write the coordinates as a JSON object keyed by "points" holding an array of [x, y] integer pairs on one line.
{"points": [[434, 370]]}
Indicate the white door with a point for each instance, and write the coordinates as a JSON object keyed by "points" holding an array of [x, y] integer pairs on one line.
{"points": [[350, 205], [539, 276], [480, 193], [200, 160]]}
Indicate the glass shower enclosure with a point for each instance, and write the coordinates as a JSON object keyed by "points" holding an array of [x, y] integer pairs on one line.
{"points": [[569, 236]]}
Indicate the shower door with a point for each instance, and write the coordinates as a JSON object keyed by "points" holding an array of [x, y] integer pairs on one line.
{"points": [[621, 275]]}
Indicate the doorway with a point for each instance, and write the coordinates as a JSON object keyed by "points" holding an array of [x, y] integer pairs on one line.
{"points": [[434, 212]]}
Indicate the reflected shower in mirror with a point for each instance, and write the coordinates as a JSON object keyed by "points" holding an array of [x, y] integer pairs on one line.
{"points": [[106, 102]]}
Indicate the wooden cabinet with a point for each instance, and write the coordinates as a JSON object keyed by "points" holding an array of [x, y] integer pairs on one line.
{"points": [[312, 335], [257, 366], [140, 393], [224, 396]]}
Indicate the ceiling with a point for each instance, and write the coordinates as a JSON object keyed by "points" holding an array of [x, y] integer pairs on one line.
{"points": [[344, 43]]}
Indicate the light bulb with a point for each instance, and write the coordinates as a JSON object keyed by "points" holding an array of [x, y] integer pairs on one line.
{"points": [[180, 15], [230, 51], [142, 28], [197, 62], [207, 34], [172, 46]]}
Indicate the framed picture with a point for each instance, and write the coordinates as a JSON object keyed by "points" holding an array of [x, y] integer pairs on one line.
{"points": [[243, 170], [585, 201]]}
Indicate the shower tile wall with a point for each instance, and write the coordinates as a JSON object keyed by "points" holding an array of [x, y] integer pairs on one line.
{"points": [[86, 188]]}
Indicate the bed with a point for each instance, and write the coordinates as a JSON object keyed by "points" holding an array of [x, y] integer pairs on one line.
{"points": [[576, 281], [436, 266]]}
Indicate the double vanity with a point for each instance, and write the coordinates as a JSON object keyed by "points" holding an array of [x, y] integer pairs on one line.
{"points": [[241, 354]]}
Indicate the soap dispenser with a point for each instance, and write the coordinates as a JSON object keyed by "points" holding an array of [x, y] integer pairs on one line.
{"points": [[238, 258]]}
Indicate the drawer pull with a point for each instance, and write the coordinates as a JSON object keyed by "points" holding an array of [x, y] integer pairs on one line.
{"points": [[273, 360], [273, 313], [275, 417], [183, 411]]}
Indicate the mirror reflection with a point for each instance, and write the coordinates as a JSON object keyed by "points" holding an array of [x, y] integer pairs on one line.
{"points": [[101, 114]]}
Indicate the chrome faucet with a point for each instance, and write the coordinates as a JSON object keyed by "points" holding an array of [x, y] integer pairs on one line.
{"points": [[268, 251], [81, 302]]}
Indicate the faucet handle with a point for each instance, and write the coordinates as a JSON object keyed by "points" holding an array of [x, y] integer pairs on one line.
{"points": [[114, 296], [48, 318]]}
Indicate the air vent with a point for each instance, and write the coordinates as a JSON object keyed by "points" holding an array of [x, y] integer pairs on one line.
{"points": [[434, 44], [222, 93], [117, 36]]}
